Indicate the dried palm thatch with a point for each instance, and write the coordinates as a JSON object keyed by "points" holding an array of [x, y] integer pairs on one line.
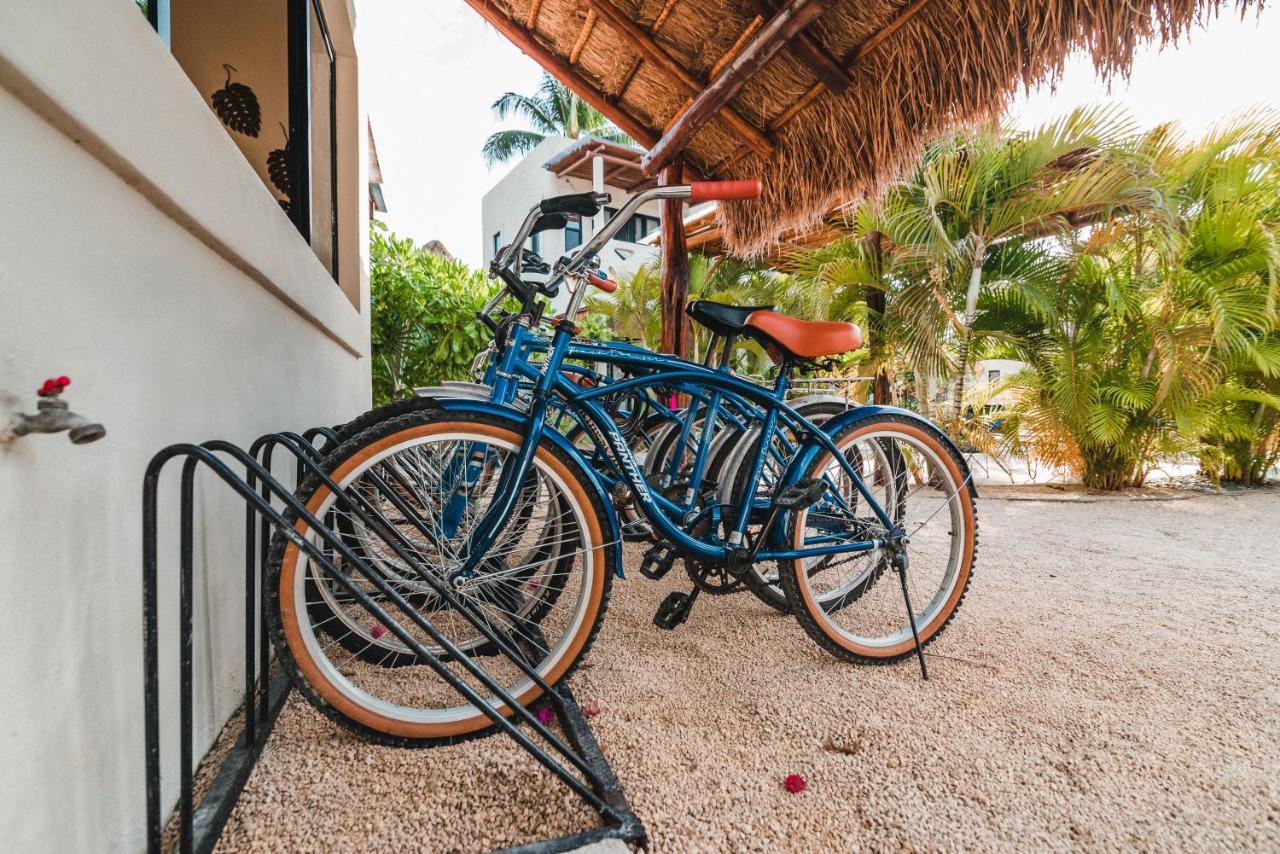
{"points": [[911, 69]]}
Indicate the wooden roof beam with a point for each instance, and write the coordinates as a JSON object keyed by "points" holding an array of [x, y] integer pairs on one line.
{"points": [[773, 37], [642, 42], [564, 72], [584, 156], [811, 52], [900, 18]]}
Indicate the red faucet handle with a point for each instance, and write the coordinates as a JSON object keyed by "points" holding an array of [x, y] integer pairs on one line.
{"points": [[53, 386]]}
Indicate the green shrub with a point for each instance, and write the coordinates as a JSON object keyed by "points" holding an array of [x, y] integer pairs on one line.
{"points": [[422, 315]]}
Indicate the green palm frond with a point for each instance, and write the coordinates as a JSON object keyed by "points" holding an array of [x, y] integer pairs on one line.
{"points": [[553, 110], [506, 144]]}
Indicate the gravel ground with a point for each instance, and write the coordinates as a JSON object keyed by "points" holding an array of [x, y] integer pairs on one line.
{"points": [[1110, 683]]}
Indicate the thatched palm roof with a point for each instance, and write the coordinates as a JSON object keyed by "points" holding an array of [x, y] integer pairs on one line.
{"points": [[842, 106]]}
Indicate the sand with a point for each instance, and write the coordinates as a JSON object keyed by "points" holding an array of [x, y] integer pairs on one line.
{"points": [[1112, 682]]}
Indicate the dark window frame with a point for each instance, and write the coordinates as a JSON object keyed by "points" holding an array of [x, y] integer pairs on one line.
{"points": [[573, 231], [300, 109], [634, 229]]}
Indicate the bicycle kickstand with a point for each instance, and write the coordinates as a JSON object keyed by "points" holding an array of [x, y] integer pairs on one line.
{"points": [[900, 562]]}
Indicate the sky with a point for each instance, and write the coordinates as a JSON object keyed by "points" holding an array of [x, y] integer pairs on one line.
{"points": [[430, 72]]}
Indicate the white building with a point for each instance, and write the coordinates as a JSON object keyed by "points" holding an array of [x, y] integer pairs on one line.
{"points": [[994, 371], [557, 166], [145, 254]]}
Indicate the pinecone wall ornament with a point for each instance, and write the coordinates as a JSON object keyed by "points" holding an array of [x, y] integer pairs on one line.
{"points": [[280, 165], [237, 106], [280, 170]]}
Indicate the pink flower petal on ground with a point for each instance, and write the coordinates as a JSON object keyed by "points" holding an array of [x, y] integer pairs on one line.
{"points": [[794, 784], [545, 715], [591, 709], [533, 584], [378, 631]]}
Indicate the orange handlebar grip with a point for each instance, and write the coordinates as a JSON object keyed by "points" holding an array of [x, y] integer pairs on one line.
{"points": [[606, 285], [724, 191]]}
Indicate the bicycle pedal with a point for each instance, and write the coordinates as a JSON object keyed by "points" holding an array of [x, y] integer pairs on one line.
{"points": [[636, 532], [658, 560], [801, 494], [674, 610]]}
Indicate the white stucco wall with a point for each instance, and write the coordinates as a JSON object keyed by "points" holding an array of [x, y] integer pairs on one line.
{"points": [[504, 207], [142, 256], [1007, 369]]}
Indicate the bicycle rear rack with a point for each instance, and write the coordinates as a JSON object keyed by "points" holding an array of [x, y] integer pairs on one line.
{"points": [[199, 825]]}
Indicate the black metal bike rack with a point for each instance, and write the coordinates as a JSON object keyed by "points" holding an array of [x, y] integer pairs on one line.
{"points": [[199, 825]]}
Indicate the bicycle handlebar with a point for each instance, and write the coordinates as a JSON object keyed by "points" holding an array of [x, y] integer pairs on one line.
{"points": [[697, 191]]}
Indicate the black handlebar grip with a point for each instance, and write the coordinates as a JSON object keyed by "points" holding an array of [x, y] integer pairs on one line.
{"points": [[582, 204]]}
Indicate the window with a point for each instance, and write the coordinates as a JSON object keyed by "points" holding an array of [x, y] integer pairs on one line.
{"points": [[573, 233], [268, 69], [993, 376], [635, 229], [497, 242], [642, 226], [313, 204]]}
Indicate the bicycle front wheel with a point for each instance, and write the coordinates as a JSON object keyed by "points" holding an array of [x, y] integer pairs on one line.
{"points": [[541, 588], [852, 603]]}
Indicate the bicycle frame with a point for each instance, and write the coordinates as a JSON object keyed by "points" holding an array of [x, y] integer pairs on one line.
{"points": [[668, 517], [550, 384]]}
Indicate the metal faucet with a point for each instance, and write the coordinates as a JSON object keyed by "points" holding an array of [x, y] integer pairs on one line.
{"points": [[53, 416]]}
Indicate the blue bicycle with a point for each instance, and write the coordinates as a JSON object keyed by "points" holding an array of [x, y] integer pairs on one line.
{"points": [[869, 518]]}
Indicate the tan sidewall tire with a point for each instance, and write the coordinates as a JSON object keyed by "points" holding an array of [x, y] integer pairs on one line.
{"points": [[340, 701], [962, 578]]}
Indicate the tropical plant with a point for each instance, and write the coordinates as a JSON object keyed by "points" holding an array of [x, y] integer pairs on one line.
{"points": [[1157, 336], [1226, 190], [1135, 274], [422, 315], [553, 110], [956, 226]]}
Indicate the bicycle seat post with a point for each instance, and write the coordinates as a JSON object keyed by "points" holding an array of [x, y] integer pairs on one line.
{"points": [[727, 351], [709, 355]]}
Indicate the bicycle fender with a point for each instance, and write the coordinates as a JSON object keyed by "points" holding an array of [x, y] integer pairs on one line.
{"points": [[470, 391], [798, 402], [837, 423], [614, 534]]}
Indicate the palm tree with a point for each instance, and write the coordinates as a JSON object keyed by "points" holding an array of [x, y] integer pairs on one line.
{"points": [[959, 221], [554, 110], [959, 226], [1148, 337]]}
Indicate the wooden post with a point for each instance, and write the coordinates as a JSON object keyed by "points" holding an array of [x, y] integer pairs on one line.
{"points": [[675, 267], [882, 388], [877, 304]]}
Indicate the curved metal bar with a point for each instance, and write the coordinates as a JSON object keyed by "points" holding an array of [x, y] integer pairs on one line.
{"points": [[400, 548], [262, 504]]}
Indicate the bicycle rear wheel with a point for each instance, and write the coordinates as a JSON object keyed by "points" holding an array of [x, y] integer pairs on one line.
{"points": [[762, 578], [542, 588]]}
